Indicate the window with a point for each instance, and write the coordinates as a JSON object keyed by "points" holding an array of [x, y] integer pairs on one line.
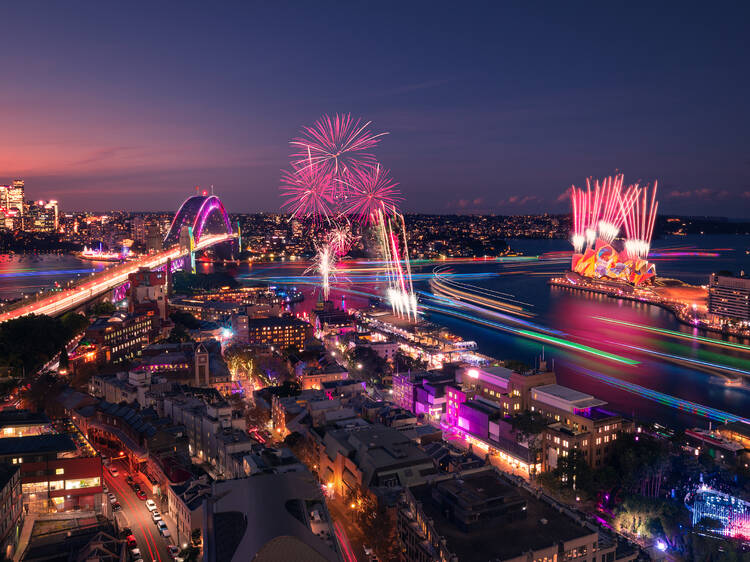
{"points": [[59, 471], [82, 483]]}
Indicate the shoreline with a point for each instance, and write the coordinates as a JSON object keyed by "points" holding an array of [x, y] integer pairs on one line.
{"points": [[617, 292]]}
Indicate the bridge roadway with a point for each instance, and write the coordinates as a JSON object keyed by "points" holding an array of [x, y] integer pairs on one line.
{"points": [[106, 280]]}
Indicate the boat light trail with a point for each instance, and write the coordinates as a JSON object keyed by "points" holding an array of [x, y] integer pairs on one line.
{"points": [[686, 359], [661, 398], [559, 342], [673, 333]]}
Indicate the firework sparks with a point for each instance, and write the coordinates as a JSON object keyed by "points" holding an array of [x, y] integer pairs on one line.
{"points": [[308, 192], [324, 264], [370, 191], [338, 145], [611, 216], [639, 216]]}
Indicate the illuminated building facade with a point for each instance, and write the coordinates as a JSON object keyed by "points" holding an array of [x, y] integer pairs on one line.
{"points": [[56, 474], [281, 333], [121, 336], [42, 216], [729, 298], [577, 422], [11, 509]]}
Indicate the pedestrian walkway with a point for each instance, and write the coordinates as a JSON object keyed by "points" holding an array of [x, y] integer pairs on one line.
{"points": [[31, 518]]}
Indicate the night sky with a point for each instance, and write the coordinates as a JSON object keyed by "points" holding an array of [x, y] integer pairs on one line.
{"points": [[490, 107]]}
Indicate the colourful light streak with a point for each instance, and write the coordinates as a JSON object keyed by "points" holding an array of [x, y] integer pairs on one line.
{"points": [[559, 342], [686, 359], [665, 399], [675, 334]]}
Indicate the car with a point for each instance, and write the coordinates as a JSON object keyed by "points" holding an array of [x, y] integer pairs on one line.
{"points": [[131, 541], [174, 550], [113, 471], [112, 497], [150, 505], [105, 489], [136, 487], [116, 506], [106, 461], [125, 531], [156, 516], [129, 480], [163, 529], [135, 554], [141, 494]]}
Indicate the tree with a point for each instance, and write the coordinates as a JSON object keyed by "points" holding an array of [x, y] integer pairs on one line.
{"points": [[365, 363], [102, 308], [403, 362]]}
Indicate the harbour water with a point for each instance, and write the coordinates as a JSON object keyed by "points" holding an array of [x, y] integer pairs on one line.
{"points": [[667, 364]]}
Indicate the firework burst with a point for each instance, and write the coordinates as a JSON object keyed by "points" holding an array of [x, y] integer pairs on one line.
{"points": [[340, 239], [338, 145], [370, 191], [308, 192]]}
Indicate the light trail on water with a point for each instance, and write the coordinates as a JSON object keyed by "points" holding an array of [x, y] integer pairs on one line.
{"points": [[665, 399], [552, 340], [673, 333]]}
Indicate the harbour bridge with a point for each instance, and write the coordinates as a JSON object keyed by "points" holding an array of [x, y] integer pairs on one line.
{"points": [[200, 223]]}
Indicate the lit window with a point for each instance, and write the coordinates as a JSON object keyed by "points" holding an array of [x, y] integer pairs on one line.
{"points": [[59, 471]]}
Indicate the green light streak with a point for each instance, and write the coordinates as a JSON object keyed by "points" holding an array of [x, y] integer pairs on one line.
{"points": [[580, 347], [673, 333]]}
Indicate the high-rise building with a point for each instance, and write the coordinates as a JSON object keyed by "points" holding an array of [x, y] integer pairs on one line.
{"points": [[42, 216], [15, 196], [139, 230], [729, 297]]}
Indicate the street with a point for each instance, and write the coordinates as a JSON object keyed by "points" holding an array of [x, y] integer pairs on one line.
{"points": [[152, 545]]}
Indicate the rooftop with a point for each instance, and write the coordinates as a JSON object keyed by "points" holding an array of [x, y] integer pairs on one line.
{"points": [[577, 399], [47, 443], [542, 526], [22, 417]]}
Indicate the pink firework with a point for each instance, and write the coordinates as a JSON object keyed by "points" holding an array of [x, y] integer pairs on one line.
{"points": [[337, 145], [640, 216], [580, 200], [308, 191], [370, 191]]}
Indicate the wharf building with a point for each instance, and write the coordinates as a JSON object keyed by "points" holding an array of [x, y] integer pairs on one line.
{"points": [[480, 403]]}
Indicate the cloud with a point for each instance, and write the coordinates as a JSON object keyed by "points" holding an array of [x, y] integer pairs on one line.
{"points": [[564, 196], [703, 193], [518, 200]]}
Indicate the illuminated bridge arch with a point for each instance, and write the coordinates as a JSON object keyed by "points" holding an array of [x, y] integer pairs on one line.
{"points": [[204, 213]]}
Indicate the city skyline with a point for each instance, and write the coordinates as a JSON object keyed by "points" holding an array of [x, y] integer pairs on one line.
{"points": [[499, 112]]}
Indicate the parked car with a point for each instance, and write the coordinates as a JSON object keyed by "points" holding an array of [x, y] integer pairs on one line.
{"points": [[135, 487], [116, 506], [112, 498], [113, 471], [174, 550], [129, 480], [141, 494], [135, 554], [163, 529], [156, 516], [131, 541], [150, 505]]}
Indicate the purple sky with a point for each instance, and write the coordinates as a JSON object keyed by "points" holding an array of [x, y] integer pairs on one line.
{"points": [[490, 108]]}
